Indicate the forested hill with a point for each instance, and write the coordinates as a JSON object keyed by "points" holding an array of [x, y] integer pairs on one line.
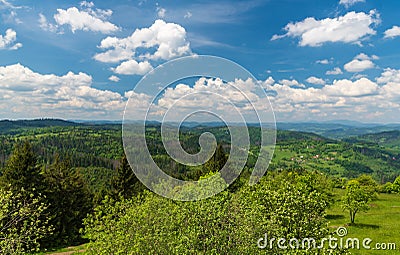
{"points": [[390, 139], [339, 130], [13, 126], [100, 145]]}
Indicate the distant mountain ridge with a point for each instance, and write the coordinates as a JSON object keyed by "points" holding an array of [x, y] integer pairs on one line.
{"points": [[8, 126], [340, 129]]}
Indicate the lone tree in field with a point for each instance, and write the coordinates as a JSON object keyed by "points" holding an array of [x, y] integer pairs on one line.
{"points": [[356, 199]]}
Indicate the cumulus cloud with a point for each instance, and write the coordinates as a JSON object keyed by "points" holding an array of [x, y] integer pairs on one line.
{"points": [[160, 41], [131, 67], [392, 32], [347, 88], [291, 83], [349, 3], [335, 71], [169, 39], [353, 27], [315, 80], [268, 82], [113, 78], [389, 76], [72, 96], [68, 96], [7, 41], [341, 98], [360, 63], [86, 19], [221, 98]]}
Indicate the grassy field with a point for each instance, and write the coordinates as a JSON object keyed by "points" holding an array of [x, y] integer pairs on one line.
{"points": [[381, 223]]}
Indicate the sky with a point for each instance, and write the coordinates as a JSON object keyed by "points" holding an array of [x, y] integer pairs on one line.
{"points": [[316, 60]]}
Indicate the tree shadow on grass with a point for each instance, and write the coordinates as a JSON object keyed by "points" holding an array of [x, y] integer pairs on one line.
{"points": [[334, 216], [364, 226]]}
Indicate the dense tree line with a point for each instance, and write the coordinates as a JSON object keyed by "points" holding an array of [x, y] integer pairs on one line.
{"points": [[44, 205]]}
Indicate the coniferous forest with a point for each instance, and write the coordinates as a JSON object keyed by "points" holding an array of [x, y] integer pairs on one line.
{"points": [[69, 184]]}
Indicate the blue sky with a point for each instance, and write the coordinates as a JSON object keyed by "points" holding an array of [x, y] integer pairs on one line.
{"points": [[318, 60]]}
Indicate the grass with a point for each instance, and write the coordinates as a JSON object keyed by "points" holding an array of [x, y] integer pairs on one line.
{"points": [[64, 251], [380, 223]]}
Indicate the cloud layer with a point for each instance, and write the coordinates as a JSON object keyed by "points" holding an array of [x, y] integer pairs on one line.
{"points": [[25, 91]]}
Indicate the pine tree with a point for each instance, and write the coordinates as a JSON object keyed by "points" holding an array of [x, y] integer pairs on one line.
{"points": [[69, 201], [125, 183], [22, 171], [215, 164]]}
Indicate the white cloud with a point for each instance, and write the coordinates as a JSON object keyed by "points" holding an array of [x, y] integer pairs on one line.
{"points": [[315, 80], [268, 82], [86, 4], [389, 76], [360, 63], [392, 32], [361, 99], [132, 67], [222, 99], [160, 41], [88, 19], [113, 78], [7, 41], [32, 95], [161, 12], [291, 83], [45, 25], [335, 71], [349, 3], [351, 28], [169, 39], [322, 61], [347, 88]]}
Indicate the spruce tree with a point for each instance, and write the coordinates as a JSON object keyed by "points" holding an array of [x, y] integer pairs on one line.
{"points": [[69, 200], [22, 171], [125, 183], [215, 163]]}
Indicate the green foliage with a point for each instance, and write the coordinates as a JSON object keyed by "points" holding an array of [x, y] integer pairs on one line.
{"points": [[22, 222], [125, 183], [356, 198], [228, 223], [97, 180], [69, 201], [396, 185], [22, 170], [287, 205]]}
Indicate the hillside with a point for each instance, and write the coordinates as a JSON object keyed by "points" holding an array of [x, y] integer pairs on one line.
{"points": [[14, 126], [101, 146], [389, 139]]}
